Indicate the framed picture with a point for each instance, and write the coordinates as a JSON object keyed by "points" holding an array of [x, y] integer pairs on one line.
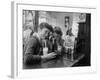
{"points": [[42, 45]]}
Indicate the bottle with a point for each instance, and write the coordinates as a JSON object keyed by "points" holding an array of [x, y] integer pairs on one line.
{"points": [[54, 45]]}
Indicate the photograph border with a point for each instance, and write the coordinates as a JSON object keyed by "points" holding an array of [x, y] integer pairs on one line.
{"points": [[16, 62]]}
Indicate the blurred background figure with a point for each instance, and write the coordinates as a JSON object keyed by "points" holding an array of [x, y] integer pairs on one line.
{"points": [[69, 43], [28, 26]]}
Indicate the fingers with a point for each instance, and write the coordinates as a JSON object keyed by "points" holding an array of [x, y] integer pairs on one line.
{"points": [[51, 55]]}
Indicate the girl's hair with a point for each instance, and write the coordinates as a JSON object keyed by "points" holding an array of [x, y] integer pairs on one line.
{"points": [[46, 25], [58, 30]]}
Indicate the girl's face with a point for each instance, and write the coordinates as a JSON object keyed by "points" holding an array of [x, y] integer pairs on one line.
{"points": [[45, 32], [57, 36]]}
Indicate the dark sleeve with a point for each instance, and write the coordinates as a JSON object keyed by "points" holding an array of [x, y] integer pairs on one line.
{"points": [[30, 59], [30, 56]]}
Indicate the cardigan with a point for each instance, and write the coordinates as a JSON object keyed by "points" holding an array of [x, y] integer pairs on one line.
{"points": [[33, 51]]}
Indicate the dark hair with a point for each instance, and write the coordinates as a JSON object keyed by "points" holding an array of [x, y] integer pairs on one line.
{"points": [[46, 25], [69, 32], [58, 30]]}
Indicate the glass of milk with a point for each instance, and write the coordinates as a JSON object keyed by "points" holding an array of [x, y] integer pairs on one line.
{"points": [[45, 49]]}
